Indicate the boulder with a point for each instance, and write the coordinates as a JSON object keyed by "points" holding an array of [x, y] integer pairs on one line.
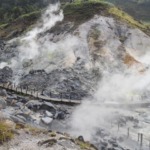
{"points": [[48, 106], [34, 105], [60, 115], [3, 93], [16, 119], [46, 120], [3, 104]]}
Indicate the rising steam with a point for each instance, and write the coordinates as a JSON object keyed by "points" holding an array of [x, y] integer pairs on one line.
{"points": [[119, 84]]}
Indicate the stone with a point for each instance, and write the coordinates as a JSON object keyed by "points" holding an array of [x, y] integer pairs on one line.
{"points": [[21, 117], [80, 138], [60, 115], [3, 104], [34, 105], [46, 120], [27, 63], [48, 114], [16, 119], [3, 93], [48, 106], [19, 104]]}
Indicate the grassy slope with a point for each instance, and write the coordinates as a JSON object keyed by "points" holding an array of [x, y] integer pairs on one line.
{"points": [[77, 12], [139, 9]]}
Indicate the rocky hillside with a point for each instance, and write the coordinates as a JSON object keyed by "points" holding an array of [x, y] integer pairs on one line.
{"points": [[86, 51], [23, 137], [110, 33]]}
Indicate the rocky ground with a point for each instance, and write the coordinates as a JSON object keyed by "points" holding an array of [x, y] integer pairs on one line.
{"points": [[73, 57], [29, 138], [40, 115]]}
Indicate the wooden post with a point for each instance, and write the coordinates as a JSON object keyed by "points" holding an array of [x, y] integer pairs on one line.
{"points": [[138, 137], [31, 92], [141, 140], [128, 132], [16, 89], [50, 94], [21, 89]]}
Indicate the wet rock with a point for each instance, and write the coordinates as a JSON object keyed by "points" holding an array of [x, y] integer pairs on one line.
{"points": [[3, 104], [46, 120]]}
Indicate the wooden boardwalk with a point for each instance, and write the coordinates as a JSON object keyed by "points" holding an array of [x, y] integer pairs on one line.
{"points": [[37, 94]]}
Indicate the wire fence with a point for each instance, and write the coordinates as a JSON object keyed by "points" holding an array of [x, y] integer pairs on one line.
{"points": [[142, 139]]}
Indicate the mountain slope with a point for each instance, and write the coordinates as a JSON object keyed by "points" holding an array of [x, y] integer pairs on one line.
{"points": [[137, 8]]}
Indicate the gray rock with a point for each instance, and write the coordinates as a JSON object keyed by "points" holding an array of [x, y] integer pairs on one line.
{"points": [[22, 118], [48, 106], [16, 119], [46, 120], [48, 114], [19, 104], [3, 93], [27, 63], [34, 105], [3, 104]]}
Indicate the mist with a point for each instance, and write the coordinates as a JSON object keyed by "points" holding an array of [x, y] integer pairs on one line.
{"points": [[119, 85]]}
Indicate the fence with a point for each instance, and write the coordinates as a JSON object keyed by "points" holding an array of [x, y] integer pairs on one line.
{"points": [[142, 140], [39, 94]]}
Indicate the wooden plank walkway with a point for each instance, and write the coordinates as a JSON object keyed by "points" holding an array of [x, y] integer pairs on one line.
{"points": [[37, 94]]}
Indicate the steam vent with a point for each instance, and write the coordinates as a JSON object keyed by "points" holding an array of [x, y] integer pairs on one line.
{"points": [[74, 75]]}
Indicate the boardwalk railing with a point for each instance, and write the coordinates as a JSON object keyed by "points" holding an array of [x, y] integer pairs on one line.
{"points": [[38, 94], [142, 140]]}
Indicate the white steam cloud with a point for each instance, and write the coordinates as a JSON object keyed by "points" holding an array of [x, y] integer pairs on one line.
{"points": [[122, 86]]}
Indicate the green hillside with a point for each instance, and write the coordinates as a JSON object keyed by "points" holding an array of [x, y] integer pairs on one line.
{"points": [[12, 9], [139, 9]]}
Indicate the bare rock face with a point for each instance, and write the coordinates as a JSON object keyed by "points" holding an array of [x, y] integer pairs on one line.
{"points": [[71, 60]]}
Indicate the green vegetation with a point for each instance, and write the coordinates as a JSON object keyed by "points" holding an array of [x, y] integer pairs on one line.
{"points": [[80, 11], [139, 9], [12, 9], [5, 132], [125, 17], [84, 145]]}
